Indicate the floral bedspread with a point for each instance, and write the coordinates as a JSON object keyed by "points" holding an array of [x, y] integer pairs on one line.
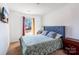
{"points": [[46, 46]]}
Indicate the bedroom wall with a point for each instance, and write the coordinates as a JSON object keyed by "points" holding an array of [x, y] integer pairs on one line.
{"points": [[15, 24], [66, 16], [4, 35]]}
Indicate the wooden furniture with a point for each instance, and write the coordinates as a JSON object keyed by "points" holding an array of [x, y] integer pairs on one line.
{"points": [[71, 46]]}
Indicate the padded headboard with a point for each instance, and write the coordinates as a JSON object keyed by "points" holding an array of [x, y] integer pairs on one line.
{"points": [[57, 29]]}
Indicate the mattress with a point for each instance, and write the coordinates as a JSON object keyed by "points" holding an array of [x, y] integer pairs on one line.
{"points": [[39, 45]]}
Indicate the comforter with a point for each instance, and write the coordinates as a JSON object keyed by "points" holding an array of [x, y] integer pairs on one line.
{"points": [[39, 45]]}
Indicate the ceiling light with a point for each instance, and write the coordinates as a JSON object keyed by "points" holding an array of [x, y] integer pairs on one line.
{"points": [[37, 3]]}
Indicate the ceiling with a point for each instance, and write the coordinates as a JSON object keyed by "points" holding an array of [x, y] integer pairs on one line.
{"points": [[35, 8]]}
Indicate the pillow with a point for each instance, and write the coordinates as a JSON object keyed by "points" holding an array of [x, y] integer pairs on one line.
{"points": [[51, 34], [44, 32], [58, 36]]}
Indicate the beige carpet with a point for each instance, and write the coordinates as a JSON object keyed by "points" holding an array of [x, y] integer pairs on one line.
{"points": [[14, 49]]}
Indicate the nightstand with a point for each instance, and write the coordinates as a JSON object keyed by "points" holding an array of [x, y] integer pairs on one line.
{"points": [[71, 46], [39, 32]]}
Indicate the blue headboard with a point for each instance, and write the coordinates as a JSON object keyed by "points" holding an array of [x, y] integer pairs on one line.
{"points": [[57, 29]]}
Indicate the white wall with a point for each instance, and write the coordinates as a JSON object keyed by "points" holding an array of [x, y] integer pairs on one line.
{"points": [[67, 16], [15, 23], [15, 26], [4, 37], [38, 23]]}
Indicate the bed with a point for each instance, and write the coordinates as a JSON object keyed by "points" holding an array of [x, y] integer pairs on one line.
{"points": [[40, 44]]}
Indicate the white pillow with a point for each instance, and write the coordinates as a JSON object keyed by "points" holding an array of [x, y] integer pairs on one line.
{"points": [[51, 34], [44, 32], [58, 36]]}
